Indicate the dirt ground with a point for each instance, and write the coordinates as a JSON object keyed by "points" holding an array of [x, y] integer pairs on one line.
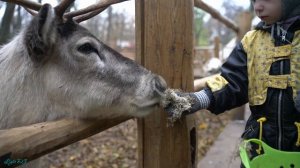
{"points": [[117, 147]]}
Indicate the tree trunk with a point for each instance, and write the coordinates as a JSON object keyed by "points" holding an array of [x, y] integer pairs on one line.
{"points": [[6, 22], [18, 22], [109, 26]]}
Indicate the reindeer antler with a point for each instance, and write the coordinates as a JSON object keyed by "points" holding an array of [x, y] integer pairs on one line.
{"points": [[92, 10], [79, 16], [26, 4], [62, 7], [32, 12], [87, 16]]}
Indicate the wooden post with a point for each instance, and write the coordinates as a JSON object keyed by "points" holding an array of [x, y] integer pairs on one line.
{"points": [[216, 47], [164, 37], [245, 20]]}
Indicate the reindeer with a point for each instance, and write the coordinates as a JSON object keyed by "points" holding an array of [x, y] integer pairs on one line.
{"points": [[54, 68]]}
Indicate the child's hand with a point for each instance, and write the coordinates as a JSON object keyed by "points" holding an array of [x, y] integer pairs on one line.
{"points": [[188, 103], [180, 103]]}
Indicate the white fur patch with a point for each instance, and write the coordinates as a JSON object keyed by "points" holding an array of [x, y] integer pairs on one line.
{"points": [[48, 27]]}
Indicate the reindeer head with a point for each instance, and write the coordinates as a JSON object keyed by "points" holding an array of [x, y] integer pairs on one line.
{"points": [[79, 75]]}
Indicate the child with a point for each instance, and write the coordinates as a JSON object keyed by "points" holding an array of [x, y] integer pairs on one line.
{"points": [[264, 70]]}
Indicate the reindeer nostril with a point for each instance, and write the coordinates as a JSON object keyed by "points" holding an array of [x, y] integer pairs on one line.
{"points": [[160, 84]]}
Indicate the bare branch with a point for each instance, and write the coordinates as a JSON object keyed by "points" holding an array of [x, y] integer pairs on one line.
{"points": [[91, 8], [26, 4], [62, 7], [216, 14]]}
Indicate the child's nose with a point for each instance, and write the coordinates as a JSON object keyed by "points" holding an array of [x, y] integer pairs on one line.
{"points": [[258, 7]]}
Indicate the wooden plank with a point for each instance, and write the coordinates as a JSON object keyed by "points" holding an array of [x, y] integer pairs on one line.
{"points": [[217, 15], [245, 20], [31, 142], [164, 32], [217, 47], [200, 84]]}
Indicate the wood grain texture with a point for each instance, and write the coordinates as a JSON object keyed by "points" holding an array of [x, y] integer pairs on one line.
{"points": [[31, 142], [164, 37]]}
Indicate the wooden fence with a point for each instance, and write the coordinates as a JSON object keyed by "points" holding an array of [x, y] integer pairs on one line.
{"points": [[164, 38]]}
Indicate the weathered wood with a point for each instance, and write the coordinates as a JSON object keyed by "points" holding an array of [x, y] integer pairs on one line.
{"points": [[201, 83], [216, 14], [164, 32], [245, 20], [216, 47], [31, 142]]}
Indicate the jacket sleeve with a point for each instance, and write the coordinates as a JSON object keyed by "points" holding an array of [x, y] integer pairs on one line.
{"points": [[230, 88]]}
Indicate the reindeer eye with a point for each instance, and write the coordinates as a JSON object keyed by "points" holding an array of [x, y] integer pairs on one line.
{"points": [[87, 48]]}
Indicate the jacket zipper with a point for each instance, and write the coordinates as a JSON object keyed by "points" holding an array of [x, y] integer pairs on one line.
{"points": [[247, 131], [279, 112]]}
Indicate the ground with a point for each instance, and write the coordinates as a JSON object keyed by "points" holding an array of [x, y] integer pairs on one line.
{"points": [[117, 147]]}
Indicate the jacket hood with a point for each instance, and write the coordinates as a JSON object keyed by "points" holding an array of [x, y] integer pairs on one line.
{"points": [[286, 24], [290, 8]]}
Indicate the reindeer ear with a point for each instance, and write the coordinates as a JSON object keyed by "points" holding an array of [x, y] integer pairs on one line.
{"points": [[40, 34]]}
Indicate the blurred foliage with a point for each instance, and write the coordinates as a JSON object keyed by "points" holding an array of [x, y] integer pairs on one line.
{"points": [[111, 27], [201, 34], [205, 31]]}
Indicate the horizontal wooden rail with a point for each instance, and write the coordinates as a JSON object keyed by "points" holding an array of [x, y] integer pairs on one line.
{"points": [[31, 142], [215, 14], [201, 83]]}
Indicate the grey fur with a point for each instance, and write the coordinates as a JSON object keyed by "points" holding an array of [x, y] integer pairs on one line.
{"points": [[57, 81], [44, 77]]}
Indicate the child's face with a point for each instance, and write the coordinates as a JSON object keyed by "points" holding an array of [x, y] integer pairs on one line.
{"points": [[268, 11]]}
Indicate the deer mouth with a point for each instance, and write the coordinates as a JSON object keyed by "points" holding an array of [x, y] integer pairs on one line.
{"points": [[146, 107]]}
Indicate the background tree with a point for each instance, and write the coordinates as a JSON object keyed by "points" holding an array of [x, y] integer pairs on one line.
{"points": [[113, 28], [17, 23], [231, 10], [5, 32], [201, 34], [109, 26]]}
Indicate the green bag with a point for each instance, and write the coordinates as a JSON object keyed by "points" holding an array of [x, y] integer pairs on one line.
{"points": [[271, 158]]}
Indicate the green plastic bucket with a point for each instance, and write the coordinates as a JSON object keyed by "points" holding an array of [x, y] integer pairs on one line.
{"points": [[270, 158]]}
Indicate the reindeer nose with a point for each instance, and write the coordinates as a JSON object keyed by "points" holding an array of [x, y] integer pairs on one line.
{"points": [[160, 84]]}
